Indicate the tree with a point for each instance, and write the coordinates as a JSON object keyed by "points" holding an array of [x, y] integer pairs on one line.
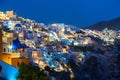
{"points": [[30, 72]]}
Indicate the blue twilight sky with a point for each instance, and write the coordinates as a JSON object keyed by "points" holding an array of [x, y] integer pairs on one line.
{"points": [[75, 12]]}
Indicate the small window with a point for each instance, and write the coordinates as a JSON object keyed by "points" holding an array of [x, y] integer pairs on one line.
{"points": [[18, 64], [5, 33], [8, 50], [10, 43], [4, 49]]}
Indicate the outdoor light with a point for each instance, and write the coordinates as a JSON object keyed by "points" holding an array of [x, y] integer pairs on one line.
{"points": [[10, 47]]}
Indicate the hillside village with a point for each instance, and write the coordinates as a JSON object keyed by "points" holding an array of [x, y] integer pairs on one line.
{"points": [[54, 45]]}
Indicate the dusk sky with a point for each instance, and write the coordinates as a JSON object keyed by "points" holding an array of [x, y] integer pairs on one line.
{"points": [[74, 12]]}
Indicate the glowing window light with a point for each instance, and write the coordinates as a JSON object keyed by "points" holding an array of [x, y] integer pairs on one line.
{"points": [[10, 25], [76, 43], [34, 55], [13, 47], [85, 42], [50, 34], [10, 46], [51, 64]]}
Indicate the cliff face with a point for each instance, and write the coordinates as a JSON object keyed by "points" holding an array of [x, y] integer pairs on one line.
{"points": [[111, 24]]}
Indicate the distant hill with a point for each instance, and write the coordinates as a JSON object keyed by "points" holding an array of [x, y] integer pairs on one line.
{"points": [[113, 24]]}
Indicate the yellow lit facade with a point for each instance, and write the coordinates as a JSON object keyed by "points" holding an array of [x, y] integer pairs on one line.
{"points": [[85, 42], [3, 16], [7, 39], [4, 57], [5, 54], [10, 14]]}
